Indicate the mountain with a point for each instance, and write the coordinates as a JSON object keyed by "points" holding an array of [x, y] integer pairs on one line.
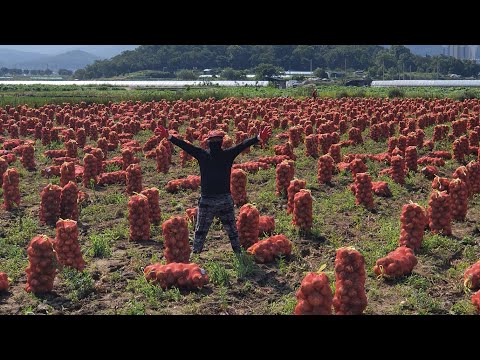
{"points": [[11, 58], [106, 51], [70, 60], [102, 51]]}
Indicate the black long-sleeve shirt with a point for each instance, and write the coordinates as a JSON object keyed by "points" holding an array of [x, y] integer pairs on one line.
{"points": [[215, 169]]}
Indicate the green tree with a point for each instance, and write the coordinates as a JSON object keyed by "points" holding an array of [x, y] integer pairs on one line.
{"points": [[65, 72], [187, 75], [266, 70], [320, 73]]}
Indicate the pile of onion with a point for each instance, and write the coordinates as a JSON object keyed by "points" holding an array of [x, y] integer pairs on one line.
{"points": [[50, 204], [265, 251], [66, 245], [350, 297], [175, 231], [41, 268], [153, 204], [69, 201], [134, 179], [293, 188], [139, 218], [314, 297], [188, 276], [303, 210], [285, 172], [248, 225], [397, 263], [238, 184], [326, 166], [439, 213]]}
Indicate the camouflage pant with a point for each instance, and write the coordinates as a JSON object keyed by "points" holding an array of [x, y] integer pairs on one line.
{"points": [[220, 206]]}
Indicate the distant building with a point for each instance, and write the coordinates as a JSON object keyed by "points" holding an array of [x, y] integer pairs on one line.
{"points": [[462, 52], [335, 74], [294, 73]]}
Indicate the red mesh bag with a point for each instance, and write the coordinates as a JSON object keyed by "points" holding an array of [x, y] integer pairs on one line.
{"points": [[460, 149], [355, 135], [248, 225], [302, 210], [69, 201], [238, 185], [114, 177], [89, 170], [473, 168], [293, 188], [266, 250], [314, 297], [50, 204], [154, 205], [3, 168], [67, 173], [458, 192], [397, 263], [285, 172], [357, 166], [81, 137], [4, 284], [335, 153], [55, 153], [462, 173], [66, 245], [311, 146], [11, 189], [439, 213], [350, 297], [380, 188], [363, 190], [429, 171], [412, 225], [188, 276], [134, 179], [28, 157], [41, 268], [139, 218], [398, 169], [266, 225], [476, 301], [128, 158], [471, 277], [72, 148], [440, 183], [411, 158], [102, 144], [162, 158], [326, 166], [175, 231]]}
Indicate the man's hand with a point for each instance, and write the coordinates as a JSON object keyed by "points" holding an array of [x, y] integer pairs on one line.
{"points": [[265, 134], [162, 132]]}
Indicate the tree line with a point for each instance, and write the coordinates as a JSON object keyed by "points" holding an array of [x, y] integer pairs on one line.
{"points": [[376, 60]]}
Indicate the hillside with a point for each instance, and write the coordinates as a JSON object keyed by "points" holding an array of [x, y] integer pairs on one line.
{"points": [[388, 62], [11, 58], [71, 60]]}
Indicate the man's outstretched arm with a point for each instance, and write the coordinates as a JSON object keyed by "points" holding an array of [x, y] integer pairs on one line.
{"points": [[237, 149], [188, 148], [265, 133]]}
